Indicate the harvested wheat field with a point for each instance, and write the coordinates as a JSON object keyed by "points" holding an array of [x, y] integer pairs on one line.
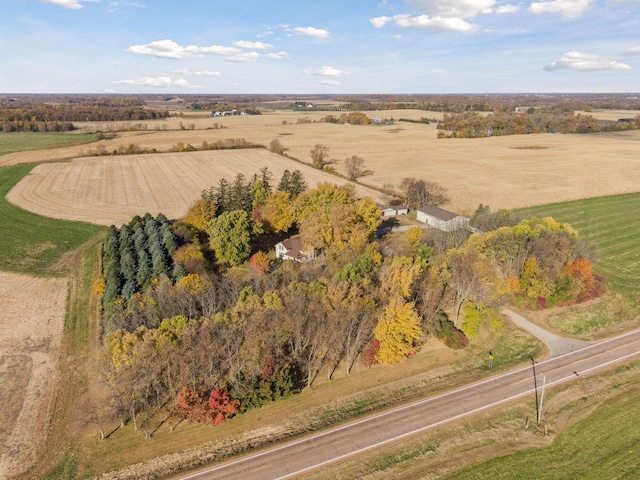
{"points": [[31, 322], [502, 172], [111, 190]]}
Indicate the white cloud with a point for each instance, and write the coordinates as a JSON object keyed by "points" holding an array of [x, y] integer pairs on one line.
{"points": [[424, 22], [72, 4], [328, 71], [567, 8], [330, 83], [277, 56], [170, 49], [216, 50], [252, 45], [451, 8], [311, 32], [380, 22], [246, 57], [633, 51], [198, 73], [160, 81], [585, 62], [508, 8]]}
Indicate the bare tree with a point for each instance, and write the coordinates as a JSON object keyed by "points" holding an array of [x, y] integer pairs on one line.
{"points": [[355, 167], [319, 156], [420, 192], [276, 146]]}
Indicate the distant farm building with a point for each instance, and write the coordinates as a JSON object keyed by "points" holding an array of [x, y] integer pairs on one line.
{"points": [[393, 210], [441, 219], [292, 249]]}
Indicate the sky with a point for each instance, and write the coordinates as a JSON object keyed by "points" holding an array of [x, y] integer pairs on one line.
{"points": [[319, 46]]}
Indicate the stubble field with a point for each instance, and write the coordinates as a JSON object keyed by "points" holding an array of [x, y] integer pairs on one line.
{"points": [[111, 190], [31, 321], [503, 172]]}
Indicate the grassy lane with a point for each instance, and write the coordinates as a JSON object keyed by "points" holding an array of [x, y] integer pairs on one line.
{"points": [[21, 141], [612, 224], [31, 243]]}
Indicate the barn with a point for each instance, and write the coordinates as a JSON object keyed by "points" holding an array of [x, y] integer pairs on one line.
{"points": [[441, 219]]}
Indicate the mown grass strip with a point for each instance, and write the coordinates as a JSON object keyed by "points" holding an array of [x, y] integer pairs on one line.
{"points": [[21, 141], [33, 244], [612, 224]]}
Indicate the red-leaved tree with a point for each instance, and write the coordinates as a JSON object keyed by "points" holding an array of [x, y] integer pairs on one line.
{"points": [[221, 406], [260, 262]]}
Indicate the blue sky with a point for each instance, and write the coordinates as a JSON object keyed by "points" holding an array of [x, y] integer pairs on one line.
{"points": [[319, 46]]}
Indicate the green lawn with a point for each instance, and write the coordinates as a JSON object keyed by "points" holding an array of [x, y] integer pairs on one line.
{"points": [[30, 243], [21, 141], [612, 224]]}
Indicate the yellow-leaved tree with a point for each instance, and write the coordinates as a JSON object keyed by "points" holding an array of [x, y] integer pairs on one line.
{"points": [[278, 212], [398, 327]]}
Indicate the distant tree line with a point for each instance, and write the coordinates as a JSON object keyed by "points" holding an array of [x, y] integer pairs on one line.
{"points": [[134, 149], [474, 125], [30, 115]]}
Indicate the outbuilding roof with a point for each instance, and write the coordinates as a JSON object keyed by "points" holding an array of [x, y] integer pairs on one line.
{"points": [[438, 212]]}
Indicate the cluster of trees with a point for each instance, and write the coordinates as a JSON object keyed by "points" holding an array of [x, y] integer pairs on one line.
{"points": [[211, 342], [419, 193], [30, 115], [543, 120], [134, 255], [352, 118]]}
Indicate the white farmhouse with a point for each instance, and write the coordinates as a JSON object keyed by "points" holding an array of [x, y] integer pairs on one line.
{"points": [[292, 249], [441, 219]]}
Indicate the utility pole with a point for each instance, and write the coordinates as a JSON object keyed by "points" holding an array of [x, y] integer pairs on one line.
{"points": [[544, 382], [535, 386]]}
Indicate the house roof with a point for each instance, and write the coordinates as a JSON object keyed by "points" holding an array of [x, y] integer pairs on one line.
{"points": [[294, 247], [391, 207], [438, 212]]}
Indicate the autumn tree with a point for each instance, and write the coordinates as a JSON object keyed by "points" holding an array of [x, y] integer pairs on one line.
{"points": [[470, 277], [221, 406], [278, 213], [260, 262], [397, 329]]}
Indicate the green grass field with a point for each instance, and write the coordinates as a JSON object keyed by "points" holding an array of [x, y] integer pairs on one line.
{"points": [[603, 445], [612, 224], [21, 141], [30, 243]]}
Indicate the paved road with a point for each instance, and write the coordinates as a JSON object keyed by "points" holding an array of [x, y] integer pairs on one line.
{"points": [[295, 458]]}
